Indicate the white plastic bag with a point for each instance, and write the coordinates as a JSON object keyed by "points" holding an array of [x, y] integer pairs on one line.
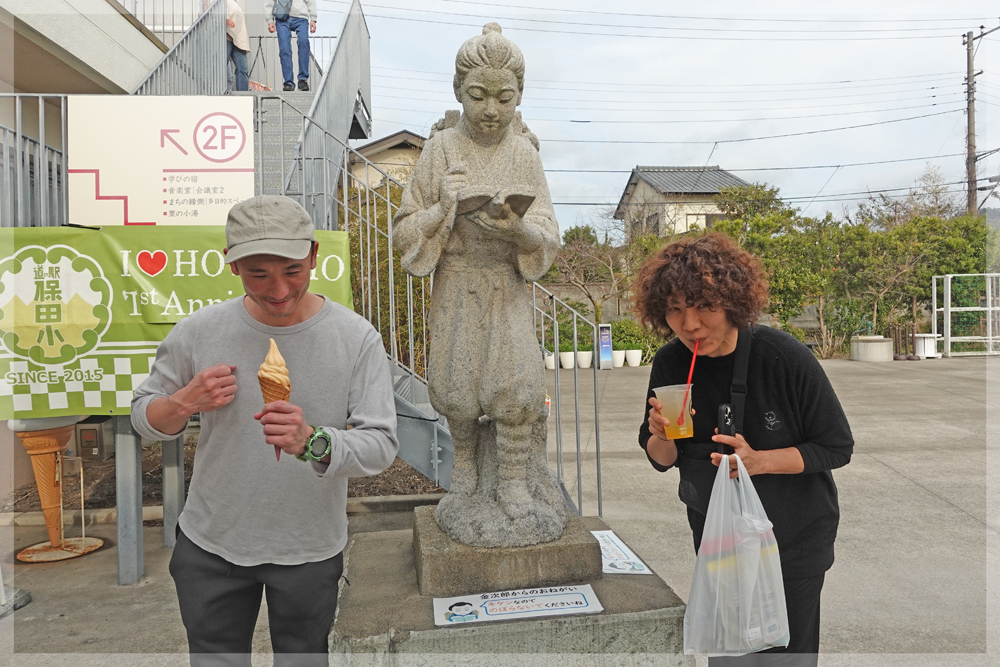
{"points": [[737, 602]]}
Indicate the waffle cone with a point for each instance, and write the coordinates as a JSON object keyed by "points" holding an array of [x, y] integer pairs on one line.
{"points": [[44, 467], [274, 391]]}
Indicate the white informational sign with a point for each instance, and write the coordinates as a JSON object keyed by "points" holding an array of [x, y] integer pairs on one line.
{"points": [[617, 557], [525, 603], [158, 160]]}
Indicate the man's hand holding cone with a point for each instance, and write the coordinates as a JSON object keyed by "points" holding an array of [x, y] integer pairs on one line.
{"points": [[282, 422]]}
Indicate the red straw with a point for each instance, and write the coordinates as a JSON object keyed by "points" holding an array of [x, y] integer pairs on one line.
{"points": [[680, 420], [277, 452]]}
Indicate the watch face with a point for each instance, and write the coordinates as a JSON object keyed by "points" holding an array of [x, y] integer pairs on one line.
{"points": [[319, 445]]}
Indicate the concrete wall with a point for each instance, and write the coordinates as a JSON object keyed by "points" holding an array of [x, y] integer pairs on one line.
{"points": [[78, 46]]}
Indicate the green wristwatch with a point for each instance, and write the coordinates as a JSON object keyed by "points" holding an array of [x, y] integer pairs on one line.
{"points": [[318, 446]]}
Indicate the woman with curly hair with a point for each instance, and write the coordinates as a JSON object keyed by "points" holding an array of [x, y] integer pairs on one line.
{"points": [[703, 291]]}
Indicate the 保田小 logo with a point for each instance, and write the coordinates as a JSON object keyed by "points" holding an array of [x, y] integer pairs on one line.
{"points": [[55, 304]]}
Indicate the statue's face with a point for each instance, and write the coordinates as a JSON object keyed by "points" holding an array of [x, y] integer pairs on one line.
{"points": [[489, 100]]}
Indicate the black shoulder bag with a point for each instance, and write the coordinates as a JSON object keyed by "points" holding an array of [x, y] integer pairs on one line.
{"points": [[281, 9], [694, 459]]}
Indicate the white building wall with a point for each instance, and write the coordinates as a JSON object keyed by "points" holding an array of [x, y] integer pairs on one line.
{"points": [[397, 162], [677, 213], [92, 34]]}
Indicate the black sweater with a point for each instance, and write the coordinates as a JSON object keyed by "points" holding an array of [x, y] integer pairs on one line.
{"points": [[790, 403]]}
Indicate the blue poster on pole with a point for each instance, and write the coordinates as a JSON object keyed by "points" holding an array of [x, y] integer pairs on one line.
{"points": [[604, 337]]}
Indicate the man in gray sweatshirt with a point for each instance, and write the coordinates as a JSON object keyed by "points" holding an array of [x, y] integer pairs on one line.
{"points": [[254, 525]]}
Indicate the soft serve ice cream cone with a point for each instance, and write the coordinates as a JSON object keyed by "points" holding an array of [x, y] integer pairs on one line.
{"points": [[274, 382]]}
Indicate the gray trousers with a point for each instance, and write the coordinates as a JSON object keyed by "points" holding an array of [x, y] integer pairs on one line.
{"points": [[220, 602]]}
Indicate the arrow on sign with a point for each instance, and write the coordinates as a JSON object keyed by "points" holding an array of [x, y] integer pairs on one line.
{"points": [[165, 134]]}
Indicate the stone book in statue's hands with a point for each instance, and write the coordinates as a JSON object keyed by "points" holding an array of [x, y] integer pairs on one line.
{"points": [[491, 202]]}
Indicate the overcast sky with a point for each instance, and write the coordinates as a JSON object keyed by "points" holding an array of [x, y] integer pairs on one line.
{"points": [[708, 73]]}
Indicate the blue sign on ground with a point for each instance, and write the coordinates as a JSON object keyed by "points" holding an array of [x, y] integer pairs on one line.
{"points": [[604, 337]]}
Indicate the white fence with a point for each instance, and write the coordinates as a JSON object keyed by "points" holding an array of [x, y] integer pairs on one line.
{"points": [[968, 318]]}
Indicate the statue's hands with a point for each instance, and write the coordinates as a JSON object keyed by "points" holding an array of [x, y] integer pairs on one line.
{"points": [[451, 184], [501, 225]]}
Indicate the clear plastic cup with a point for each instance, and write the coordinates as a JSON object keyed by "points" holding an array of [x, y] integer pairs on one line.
{"points": [[676, 400]]}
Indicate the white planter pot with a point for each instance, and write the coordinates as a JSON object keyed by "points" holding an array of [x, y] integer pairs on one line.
{"points": [[584, 359], [550, 361], [617, 358], [566, 359], [633, 357]]}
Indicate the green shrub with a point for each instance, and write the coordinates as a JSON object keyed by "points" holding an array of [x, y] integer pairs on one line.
{"points": [[583, 343], [630, 335], [627, 335]]}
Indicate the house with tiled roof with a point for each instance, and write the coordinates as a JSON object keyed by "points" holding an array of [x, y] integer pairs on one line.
{"points": [[395, 154], [672, 200]]}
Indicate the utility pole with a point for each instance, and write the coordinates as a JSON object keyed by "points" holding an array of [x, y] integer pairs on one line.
{"points": [[971, 158]]}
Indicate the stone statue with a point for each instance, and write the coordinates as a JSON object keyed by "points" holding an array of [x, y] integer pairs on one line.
{"points": [[476, 212]]}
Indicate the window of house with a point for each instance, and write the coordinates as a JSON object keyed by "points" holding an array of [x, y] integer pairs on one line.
{"points": [[713, 218], [653, 224], [695, 219]]}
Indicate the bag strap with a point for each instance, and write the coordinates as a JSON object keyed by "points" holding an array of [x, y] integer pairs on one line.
{"points": [[738, 391]]}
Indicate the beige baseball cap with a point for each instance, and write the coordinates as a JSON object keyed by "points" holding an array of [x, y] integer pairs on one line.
{"points": [[268, 225]]}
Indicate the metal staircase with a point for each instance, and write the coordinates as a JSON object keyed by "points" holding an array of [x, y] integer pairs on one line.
{"points": [[302, 151]]}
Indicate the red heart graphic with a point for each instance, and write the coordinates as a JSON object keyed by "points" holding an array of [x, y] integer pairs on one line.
{"points": [[151, 263]]}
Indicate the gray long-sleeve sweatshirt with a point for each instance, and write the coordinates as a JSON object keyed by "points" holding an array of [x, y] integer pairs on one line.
{"points": [[305, 9], [244, 505]]}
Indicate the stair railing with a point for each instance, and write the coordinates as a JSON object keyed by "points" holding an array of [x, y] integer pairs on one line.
{"points": [[549, 311], [196, 64], [33, 169]]}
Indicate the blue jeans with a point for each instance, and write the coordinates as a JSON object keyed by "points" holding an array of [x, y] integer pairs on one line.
{"points": [[239, 60], [300, 27]]}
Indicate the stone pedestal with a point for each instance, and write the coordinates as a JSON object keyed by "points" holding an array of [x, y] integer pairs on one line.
{"points": [[446, 568], [871, 348], [381, 615]]}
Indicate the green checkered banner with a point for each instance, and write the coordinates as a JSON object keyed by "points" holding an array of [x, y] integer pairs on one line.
{"points": [[83, 310]]}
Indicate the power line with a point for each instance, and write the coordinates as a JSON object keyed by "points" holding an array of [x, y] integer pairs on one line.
{"points": [[768, 31], [747, 169], [835, 171], [410, 19], [723, 141], [937, 75], [742, 169], [823, 199], [712, 18], [685, 109], [534, 94], [642, 89], [700, 120]]}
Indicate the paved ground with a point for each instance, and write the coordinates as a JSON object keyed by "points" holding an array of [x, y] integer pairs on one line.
{"points": [[915, 582]]}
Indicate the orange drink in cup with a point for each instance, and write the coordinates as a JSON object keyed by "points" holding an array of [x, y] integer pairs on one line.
{"points": [[676, 400]]}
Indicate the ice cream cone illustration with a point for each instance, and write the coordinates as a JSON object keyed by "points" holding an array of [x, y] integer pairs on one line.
{"points": [[274, 382], [46, 448]]}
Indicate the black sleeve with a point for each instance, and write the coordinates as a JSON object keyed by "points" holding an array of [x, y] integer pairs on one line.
{"points": [[656, 379], [827, 440]]}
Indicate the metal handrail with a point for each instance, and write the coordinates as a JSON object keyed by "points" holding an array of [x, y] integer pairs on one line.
{"points": [[338, 199], [196, 63], [166, 17], [263, 59], [550, 316], [27, 199]]}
